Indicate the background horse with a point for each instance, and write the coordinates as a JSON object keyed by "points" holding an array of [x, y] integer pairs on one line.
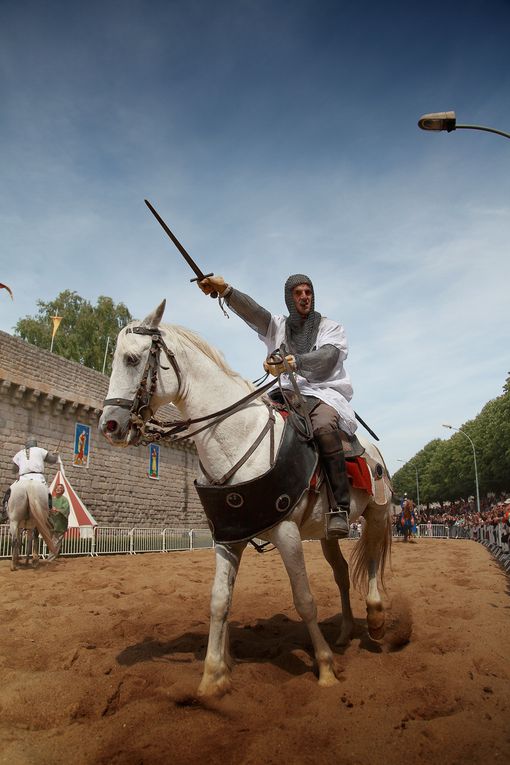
{"points": [[28, 509], [408, 520], [198, 382]]}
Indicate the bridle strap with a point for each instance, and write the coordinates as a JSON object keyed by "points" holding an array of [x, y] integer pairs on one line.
{"points": [[124, 403], [172, 427], [145, 391]]}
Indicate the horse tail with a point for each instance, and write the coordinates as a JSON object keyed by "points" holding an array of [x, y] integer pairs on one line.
{"points": [[373, 547], [40, 515]]}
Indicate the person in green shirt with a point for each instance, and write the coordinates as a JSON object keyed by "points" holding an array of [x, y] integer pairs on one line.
{"points": [[59, 518]]}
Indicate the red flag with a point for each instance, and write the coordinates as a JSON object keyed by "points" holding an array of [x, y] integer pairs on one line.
{"points": [[5, 287]]}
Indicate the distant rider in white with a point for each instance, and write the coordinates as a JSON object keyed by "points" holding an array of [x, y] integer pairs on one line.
{"points": [[29, 463]]}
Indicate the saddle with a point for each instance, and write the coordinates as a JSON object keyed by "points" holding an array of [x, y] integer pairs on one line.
{"points": [[238, 512]]}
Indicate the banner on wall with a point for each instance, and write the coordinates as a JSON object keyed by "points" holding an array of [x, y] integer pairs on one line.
{"points": [[153, 461], [81, 445]]}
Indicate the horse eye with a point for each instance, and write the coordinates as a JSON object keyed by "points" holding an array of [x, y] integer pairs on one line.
{"points": [[131, 360]]}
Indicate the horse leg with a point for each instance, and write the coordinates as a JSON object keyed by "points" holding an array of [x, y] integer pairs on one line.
{"points": [[376, 530], [15, 545], [28, 545], [369, 557], [375, 609], [286, 538], [216, 679], [35, 547], [333, 555]]}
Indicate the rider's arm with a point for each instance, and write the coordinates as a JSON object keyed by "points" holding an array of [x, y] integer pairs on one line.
{"points": [[252, 313], [51, 458], [243, 305], [317, 366]]}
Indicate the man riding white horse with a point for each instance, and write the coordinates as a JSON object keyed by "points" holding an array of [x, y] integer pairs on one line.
{"points": [[29, 464], [315, 348]]}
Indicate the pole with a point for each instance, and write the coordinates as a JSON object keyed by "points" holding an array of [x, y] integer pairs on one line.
{"points": [[482, 127], [474, 459], [476, 472], [105, 352], [417, 487]]}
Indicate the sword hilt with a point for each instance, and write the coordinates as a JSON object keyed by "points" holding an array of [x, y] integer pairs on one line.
{"points": [[214, 294]]}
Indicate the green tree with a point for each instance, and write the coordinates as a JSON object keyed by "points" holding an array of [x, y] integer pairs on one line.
{"points": [[84, 330], [446, 468]]}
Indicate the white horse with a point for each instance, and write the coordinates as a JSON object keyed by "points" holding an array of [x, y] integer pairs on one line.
{"points": [[199, 382], [27, 508]]}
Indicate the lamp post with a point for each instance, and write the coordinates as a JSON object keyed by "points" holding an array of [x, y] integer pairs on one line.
{"points": [[417, 483], [448, 121], [450, 427], [105, 352]]}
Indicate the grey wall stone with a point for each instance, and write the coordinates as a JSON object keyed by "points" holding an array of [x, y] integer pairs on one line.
{"points": [[45, 395]]}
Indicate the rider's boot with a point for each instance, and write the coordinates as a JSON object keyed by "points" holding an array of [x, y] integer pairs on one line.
{"points": [[333, 461]]}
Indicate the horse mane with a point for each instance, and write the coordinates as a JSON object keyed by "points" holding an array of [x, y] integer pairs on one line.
{"points": [[191, 339]]}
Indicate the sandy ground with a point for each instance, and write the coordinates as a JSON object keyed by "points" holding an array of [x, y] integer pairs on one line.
{"points": [[100, 661]]}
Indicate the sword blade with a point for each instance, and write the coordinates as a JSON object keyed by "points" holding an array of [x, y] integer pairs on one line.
{"points": [[362, 422], [187, 257]]}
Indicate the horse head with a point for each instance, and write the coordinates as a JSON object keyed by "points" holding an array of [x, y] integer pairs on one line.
{"points": [[138, 385]]}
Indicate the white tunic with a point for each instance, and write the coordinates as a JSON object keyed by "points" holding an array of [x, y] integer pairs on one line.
{"points": [[33, 467], [337, 389]]}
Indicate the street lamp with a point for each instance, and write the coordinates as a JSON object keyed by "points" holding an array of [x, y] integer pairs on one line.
{"points": [[448, 121], [417, 483], [450, 427]]}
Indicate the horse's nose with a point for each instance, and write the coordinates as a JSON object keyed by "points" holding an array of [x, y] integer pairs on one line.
{"points": [[111, 426]]}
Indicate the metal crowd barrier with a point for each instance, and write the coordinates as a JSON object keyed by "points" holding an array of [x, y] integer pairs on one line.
{"points": [[112, 540], [436, 531], [497, 540]]}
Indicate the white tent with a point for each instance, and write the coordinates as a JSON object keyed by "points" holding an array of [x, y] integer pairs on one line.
{"points": [[79, 517]]}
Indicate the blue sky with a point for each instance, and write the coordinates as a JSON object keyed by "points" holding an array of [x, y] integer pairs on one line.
{"points": [[274, 138]]}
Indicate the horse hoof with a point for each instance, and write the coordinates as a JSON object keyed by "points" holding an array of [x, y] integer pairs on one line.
{"points": [[375, 620], [377, 633], [214, 688], [328, 682], [327, 676]]}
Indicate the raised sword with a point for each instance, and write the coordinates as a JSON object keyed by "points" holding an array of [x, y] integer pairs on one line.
{"points": [[187, 257]]}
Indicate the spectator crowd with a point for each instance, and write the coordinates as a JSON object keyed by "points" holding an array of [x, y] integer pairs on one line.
{"points": [[462, 516]]}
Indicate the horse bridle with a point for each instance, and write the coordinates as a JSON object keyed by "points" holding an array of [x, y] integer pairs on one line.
{"points": [[162, 431], [149, 379]]}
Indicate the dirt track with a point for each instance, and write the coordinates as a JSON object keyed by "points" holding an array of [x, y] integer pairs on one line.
{"points": [[101, 659]]}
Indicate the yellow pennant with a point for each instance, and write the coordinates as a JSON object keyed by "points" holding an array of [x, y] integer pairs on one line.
{"points": [[56, 323]]}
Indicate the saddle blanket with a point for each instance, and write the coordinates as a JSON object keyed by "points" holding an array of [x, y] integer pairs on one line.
{"points": [[358, 472]]}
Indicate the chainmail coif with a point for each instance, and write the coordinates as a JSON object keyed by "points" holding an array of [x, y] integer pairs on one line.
{"points": [[300, 333]]}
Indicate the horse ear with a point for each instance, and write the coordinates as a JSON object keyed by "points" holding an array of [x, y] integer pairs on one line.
{"points": [[153, 319]]}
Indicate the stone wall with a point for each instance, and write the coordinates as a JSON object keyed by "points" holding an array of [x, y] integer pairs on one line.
{"points": [[45, 395]]}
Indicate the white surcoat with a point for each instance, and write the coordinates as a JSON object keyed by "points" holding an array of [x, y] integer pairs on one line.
{"points": [[33, 467], [337, 389]]}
